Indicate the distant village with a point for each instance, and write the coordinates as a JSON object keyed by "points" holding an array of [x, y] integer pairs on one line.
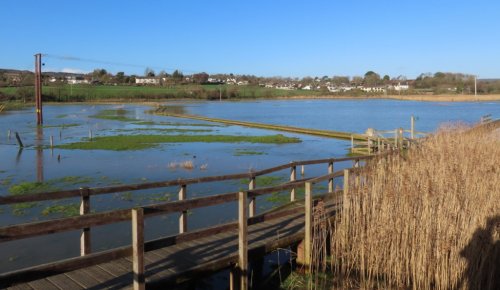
{"points": [[370, 83], [332, 85]]}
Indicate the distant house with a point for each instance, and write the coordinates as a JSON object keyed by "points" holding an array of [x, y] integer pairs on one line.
{"points": [[147, 81], [76, 80], [373, 89], [307, 88], [400, 87]]}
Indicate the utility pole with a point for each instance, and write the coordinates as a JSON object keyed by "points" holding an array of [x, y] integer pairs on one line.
{"points": [[38, 88], [475, 86]]}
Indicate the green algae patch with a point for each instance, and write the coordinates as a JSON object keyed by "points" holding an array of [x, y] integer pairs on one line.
{"points": [[66, 210], [140, 142], [245, 152], [164, 130], [115, 115]]}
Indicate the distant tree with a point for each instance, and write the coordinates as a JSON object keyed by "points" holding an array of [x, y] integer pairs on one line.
{"points": [[120, 77], [386, 78], [371, 78], [177, 75], [200, 78], [149, 72], [357, 80], [340, 80]]}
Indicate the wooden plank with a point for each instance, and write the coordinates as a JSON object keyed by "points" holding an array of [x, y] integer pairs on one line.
{"points": [[43, 285], [63, 282], [82, 279], [330, 180], [138, 248], [21, 287], [242, 240], [61, 225], [37, 272]]}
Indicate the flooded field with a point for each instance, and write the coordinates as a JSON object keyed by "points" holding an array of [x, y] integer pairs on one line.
{"points": [[139, 147]]}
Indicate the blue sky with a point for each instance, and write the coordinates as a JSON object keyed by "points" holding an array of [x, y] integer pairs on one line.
{"points": [[267, 38]]}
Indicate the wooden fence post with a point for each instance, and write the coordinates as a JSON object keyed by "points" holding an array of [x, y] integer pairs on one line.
{"points": [[85, 241], [252, 205], [242, 240], [412, 127], [330, 181], [51, 141], [346, 188], [293, 177], [138, 248], [183, 215], [308, 224]]}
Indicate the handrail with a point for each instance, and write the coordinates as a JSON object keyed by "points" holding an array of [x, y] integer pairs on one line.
{"points": [[54, 195], [89, 220]]}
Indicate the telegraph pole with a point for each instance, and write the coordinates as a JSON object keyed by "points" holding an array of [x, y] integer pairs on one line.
{"points": [[475, 86], [38, 88]]}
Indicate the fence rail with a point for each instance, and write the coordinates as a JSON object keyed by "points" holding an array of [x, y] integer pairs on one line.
{"points": [[88, 220]]}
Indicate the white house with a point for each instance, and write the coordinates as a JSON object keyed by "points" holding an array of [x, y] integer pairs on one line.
{"points": [[76, 80], [400, 87], [147, 81], [373, 89]]}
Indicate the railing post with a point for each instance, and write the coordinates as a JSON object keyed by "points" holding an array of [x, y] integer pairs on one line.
{"points": [[138, 248], [412, 127], [183, 215], [308, 224], [345, 190], [368, 145], [330, 181], [252, 205], [242, 240], [85, 241], [395, 138], [293, 177]]}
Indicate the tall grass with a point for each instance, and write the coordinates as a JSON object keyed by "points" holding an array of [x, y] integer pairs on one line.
{"points": [[425, 219]]}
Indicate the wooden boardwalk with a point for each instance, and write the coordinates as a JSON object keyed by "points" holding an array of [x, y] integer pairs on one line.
{"points": [[190, 253], [175, 264]]}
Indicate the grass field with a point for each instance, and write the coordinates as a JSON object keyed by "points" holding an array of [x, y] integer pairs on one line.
{"points": [[104, 92]]}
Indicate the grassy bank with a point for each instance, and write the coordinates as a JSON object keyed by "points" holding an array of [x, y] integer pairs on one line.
{"points": [[140, 142], [428, 219], [69, 93]]}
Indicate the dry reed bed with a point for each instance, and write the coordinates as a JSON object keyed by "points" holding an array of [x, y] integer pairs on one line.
{"points": [[425, 219]]}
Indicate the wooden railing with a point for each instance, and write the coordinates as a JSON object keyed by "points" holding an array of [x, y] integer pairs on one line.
{"points": [[86, 220]]}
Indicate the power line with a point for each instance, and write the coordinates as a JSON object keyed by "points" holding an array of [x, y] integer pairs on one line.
{"points": [[88, 60]]}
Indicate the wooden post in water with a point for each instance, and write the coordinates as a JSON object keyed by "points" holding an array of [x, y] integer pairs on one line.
{"points": [[183, 215], [352, 143], [252, 205], [51, 141], [302, 170], [90, 134], [85, 241], [242, 240], [330, 181], [19, 142], [293, 177], [138, 248], [308, 224], [8, 134]]}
